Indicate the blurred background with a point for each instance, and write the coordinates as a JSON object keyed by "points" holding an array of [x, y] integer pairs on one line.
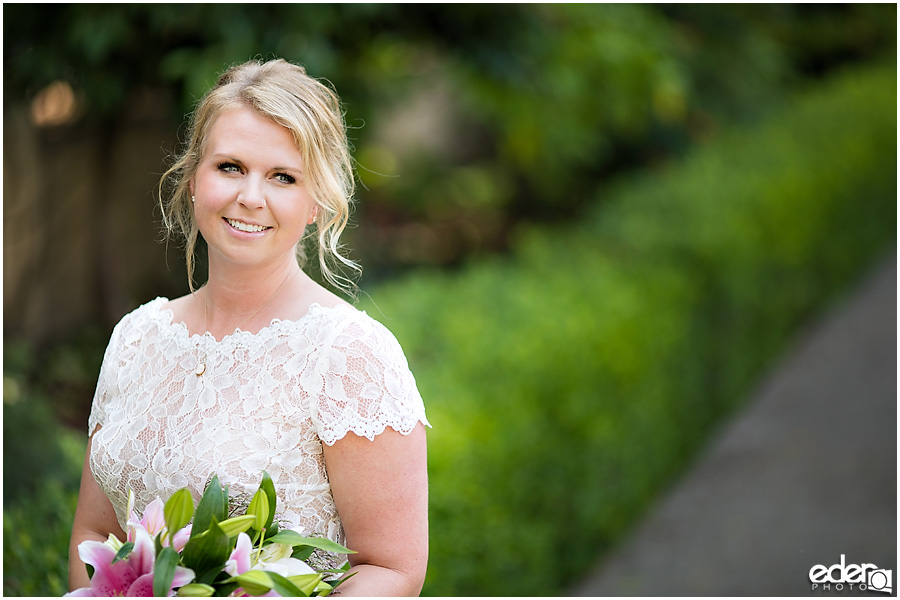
{"points": [[591, 227]]}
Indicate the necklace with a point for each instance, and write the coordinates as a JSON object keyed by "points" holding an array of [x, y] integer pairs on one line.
{"points": [[200, 369]]}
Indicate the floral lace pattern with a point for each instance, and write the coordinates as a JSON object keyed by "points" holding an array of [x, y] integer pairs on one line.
{"points": [[266, 401]]}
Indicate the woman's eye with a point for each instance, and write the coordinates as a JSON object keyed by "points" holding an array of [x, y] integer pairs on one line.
{"points": [[229, 167], [285, 178]]}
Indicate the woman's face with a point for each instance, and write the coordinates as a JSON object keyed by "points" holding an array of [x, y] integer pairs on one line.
{"points": [[251, 202]]}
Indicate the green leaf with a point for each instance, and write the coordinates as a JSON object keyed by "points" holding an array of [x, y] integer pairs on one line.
{"points": [[339, 571], [302, 552], [215, 574], [293, 538], [178, 511], [236, 525], [206, 551], [323, 589], [254, 583], [306, 583], [196, 590], [225, 589], [268, 487], [287, 587], [124, 551], [164, 571], [271, 530], [259, 508], [213, 504]]}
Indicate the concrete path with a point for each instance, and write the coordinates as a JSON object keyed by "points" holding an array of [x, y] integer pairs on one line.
{"points": [[805, 473]]}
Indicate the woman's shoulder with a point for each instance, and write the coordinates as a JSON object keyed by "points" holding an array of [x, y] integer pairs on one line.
{"points": [[354, 332], [145, 313], [343, 318], [133, 328]]}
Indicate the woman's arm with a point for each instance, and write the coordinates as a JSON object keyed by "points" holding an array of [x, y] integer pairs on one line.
{"points": [[95, 519], [380, 489]]}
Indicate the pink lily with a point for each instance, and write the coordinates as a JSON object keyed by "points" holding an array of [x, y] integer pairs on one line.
{"points": [[241, 561], [154, 522], [275, 558], [131, 576]]}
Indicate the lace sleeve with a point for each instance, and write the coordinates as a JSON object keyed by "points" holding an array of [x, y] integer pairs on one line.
{"points": [[364, 384], [106, 382]]}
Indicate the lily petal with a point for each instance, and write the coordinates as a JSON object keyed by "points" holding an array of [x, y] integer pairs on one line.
{"points": [[142, 587], [113, 542], [183, 576], [239, 561], [133, 528], [181, 538], [113, 579], [154, 519], [286, 567], [96, 554], [143, 557], [132, 516], [81, 593]]}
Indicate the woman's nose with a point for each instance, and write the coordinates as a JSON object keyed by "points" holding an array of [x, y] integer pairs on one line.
{"points": [[252, 194]]}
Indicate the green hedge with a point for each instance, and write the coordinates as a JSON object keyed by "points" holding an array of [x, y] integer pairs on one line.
{"points": [[42, 459], [570, 384], [37, 525]]}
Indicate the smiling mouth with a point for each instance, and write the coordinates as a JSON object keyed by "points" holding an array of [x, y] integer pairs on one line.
{"points": [[246, 227]]}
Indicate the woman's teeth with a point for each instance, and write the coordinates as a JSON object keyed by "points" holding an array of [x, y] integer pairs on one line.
{"points": [[245, 226]]}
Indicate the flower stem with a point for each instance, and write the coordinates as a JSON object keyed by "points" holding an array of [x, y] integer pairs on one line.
{"points": [[262, 536]]}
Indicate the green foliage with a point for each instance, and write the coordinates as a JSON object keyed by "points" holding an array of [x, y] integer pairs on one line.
{"points": [[37, 526], [206, 551], [213, 505], [40, 388], [568, 385], [476, 116], [42, 460], [798, 214]]}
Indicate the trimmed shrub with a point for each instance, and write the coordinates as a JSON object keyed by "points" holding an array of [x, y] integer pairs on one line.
{"points": [[42, 459], [571, 383], [37, 527]]}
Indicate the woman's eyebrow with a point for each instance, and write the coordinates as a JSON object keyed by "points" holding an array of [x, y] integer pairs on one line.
{"points": [[226, 156], [294, 169]]}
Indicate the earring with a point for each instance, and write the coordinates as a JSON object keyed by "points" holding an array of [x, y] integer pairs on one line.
{"points": [[315, 213], [193, 199]]}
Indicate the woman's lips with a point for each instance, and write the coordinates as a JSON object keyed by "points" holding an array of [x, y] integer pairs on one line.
{"points": [[246, 227]]}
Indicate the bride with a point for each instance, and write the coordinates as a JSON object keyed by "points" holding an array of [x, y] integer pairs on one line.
{"points": [[261, 368]]}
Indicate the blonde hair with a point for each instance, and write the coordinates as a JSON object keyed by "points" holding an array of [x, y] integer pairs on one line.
{"points": [[311, 111]]}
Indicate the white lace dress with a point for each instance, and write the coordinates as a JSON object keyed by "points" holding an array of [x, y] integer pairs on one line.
{"points": [[266, 401]]}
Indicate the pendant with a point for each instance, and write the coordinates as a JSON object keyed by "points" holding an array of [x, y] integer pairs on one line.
{"points": [[201, 368]]}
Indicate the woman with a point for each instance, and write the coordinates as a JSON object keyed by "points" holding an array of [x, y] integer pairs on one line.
{"points": [[262, 368]]}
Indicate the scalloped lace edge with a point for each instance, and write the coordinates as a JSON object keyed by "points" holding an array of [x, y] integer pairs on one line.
{"points": [[330, 436]]}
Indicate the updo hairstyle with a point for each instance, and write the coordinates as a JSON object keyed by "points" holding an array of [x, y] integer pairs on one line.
{"points": [[311, 111]]}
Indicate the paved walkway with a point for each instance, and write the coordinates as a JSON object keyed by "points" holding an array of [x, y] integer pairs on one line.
{"points": [[805, 473]]}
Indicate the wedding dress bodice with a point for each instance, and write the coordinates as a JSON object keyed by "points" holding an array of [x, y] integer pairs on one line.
{"points": [[265, 401]]}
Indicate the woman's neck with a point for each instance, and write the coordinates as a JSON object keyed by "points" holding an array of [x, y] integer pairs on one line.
{"points": [[241, 298]]}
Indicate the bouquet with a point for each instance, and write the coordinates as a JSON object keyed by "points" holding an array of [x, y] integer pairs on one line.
{"points": [[166, 553]]}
